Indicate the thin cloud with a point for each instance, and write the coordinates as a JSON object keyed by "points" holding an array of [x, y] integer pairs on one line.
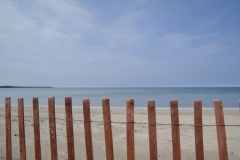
{"points": [[90, 43]]}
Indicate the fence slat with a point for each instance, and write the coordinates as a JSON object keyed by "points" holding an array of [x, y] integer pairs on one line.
{"points": [[221, 132], [107, 129], [198, 130], [175, 130], [130, 129], [69, 127], [21, 129], [87, 128], [8, 128], [36, 129], [52, 127], [152, 130]]}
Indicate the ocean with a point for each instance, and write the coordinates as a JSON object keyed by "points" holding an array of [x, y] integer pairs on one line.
{"points": [[119, 95]]}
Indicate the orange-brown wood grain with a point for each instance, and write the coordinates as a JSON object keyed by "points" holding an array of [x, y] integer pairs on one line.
{"points": [[130, 129], [36, 127], [21, 129], [69, 128], [198, 129], [152, 130], [175, 130], [87, 128], [52, 128], [107, 129], [8, 128], [221, 132]]}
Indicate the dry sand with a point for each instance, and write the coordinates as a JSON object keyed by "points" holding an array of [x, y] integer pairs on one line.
{"points": [[119, 134]]}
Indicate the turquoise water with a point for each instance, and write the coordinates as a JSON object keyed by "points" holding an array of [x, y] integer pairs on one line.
{"points": [[118, 96]]}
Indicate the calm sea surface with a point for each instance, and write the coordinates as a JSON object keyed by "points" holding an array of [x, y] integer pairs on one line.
{"points": [[118, 96]]}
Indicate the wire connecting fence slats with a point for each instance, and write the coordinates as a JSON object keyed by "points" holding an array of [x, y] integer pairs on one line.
{"points": [[175, 125]]}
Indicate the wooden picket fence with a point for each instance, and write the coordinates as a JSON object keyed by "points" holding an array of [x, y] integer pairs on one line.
{"points": [[198, 127]]}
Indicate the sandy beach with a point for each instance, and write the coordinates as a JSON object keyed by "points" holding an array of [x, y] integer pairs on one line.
{"points": [[164, 137]]}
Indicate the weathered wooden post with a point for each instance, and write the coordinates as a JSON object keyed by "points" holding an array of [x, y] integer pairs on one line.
{"points": [[198, 130], [52, 127], [130, 129], [152, 130], [175, 130], [69, 128], [21, 129], [221, 132], [36, 129], [107, 129], [8, 128], [87, 128]]}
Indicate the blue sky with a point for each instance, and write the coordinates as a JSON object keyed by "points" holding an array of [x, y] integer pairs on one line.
{"points": [[120, 43]]}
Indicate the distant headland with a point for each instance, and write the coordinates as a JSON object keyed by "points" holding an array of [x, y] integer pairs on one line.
{"points": [[25, 87]]}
